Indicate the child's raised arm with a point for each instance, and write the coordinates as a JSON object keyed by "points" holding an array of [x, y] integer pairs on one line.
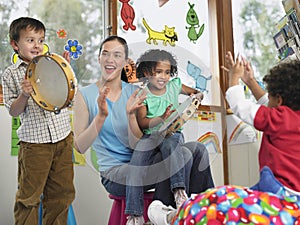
{"points": [[248, 75], [236, 71], [249, 79]]}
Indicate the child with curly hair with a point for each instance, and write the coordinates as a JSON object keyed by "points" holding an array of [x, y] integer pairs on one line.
{"points": [[279, 155], [159, 67]]}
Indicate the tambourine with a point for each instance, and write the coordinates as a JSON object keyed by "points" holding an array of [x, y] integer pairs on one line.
{"points": [[53, 80], [184, 112]]}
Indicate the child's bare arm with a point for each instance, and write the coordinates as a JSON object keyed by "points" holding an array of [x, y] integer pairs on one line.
{"points": [[186, 90], [145, 122], [249, 79], [19, 105]]}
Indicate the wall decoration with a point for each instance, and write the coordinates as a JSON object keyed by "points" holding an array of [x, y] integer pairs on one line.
{"points": [[239, 132], [127, 15], [130, 72], [200, 80], [162, 2], [168, 35], [61, 34], [208, 116], [211, 139], [78, 159], [74, 48], [193, 22], [14, 137]]}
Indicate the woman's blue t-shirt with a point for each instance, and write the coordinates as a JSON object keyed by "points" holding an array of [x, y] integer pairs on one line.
{"points": [[111, 145]]}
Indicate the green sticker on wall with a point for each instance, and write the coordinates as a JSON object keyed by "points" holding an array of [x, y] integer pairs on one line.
{"points": [[14, 137], [94, 159]]}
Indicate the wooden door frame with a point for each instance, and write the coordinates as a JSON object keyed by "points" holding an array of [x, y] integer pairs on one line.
{"points": [[225, 43]]}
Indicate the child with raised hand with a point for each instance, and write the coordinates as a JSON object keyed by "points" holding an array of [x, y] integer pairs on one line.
{"points": [[249, 79], [279, 155], [158, 67], [45, 163]]}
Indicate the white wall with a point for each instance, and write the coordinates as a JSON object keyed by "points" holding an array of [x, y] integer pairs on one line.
{"points": [[92, 205], [243, 164], [8, 170]]}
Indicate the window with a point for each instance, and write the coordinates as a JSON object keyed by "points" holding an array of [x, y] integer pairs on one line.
{"points": [[254, 26]]}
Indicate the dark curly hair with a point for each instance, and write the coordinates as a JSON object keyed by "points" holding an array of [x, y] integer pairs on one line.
{"points": [[284, 80], [148, 61]]}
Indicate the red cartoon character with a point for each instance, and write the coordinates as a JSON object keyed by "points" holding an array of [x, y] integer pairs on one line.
{"points": [[127, 15]]}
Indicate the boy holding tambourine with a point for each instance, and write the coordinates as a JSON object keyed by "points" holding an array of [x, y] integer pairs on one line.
{"points": [[45, 164]]}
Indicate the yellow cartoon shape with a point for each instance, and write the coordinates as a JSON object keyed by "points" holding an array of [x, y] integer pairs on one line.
{"points": [[167, 35]]}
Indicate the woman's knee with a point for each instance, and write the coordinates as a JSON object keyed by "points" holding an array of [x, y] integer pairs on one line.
{"points": [[196, 148], [186, 154]]}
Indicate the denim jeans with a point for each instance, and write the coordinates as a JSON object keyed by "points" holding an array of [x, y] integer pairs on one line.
{"points": [[197, 176], [173, 166], [114, 180]]}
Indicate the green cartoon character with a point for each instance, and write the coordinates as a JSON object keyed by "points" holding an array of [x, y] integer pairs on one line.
{"points": [[193, 21]]}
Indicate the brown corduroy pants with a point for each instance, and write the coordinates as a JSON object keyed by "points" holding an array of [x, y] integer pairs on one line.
{"points": [[45, 169]]}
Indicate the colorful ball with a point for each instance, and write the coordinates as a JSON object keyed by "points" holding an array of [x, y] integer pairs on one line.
{"points": [[238, 205]]}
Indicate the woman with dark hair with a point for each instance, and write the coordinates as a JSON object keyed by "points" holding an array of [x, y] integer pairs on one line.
{"points": [[105, 118]]}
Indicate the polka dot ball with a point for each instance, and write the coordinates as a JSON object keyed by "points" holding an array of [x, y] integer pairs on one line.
{"points": [[235, 205]]}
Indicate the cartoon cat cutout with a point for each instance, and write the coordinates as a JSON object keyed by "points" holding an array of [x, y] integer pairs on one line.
{"points": [[168, 35]]}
